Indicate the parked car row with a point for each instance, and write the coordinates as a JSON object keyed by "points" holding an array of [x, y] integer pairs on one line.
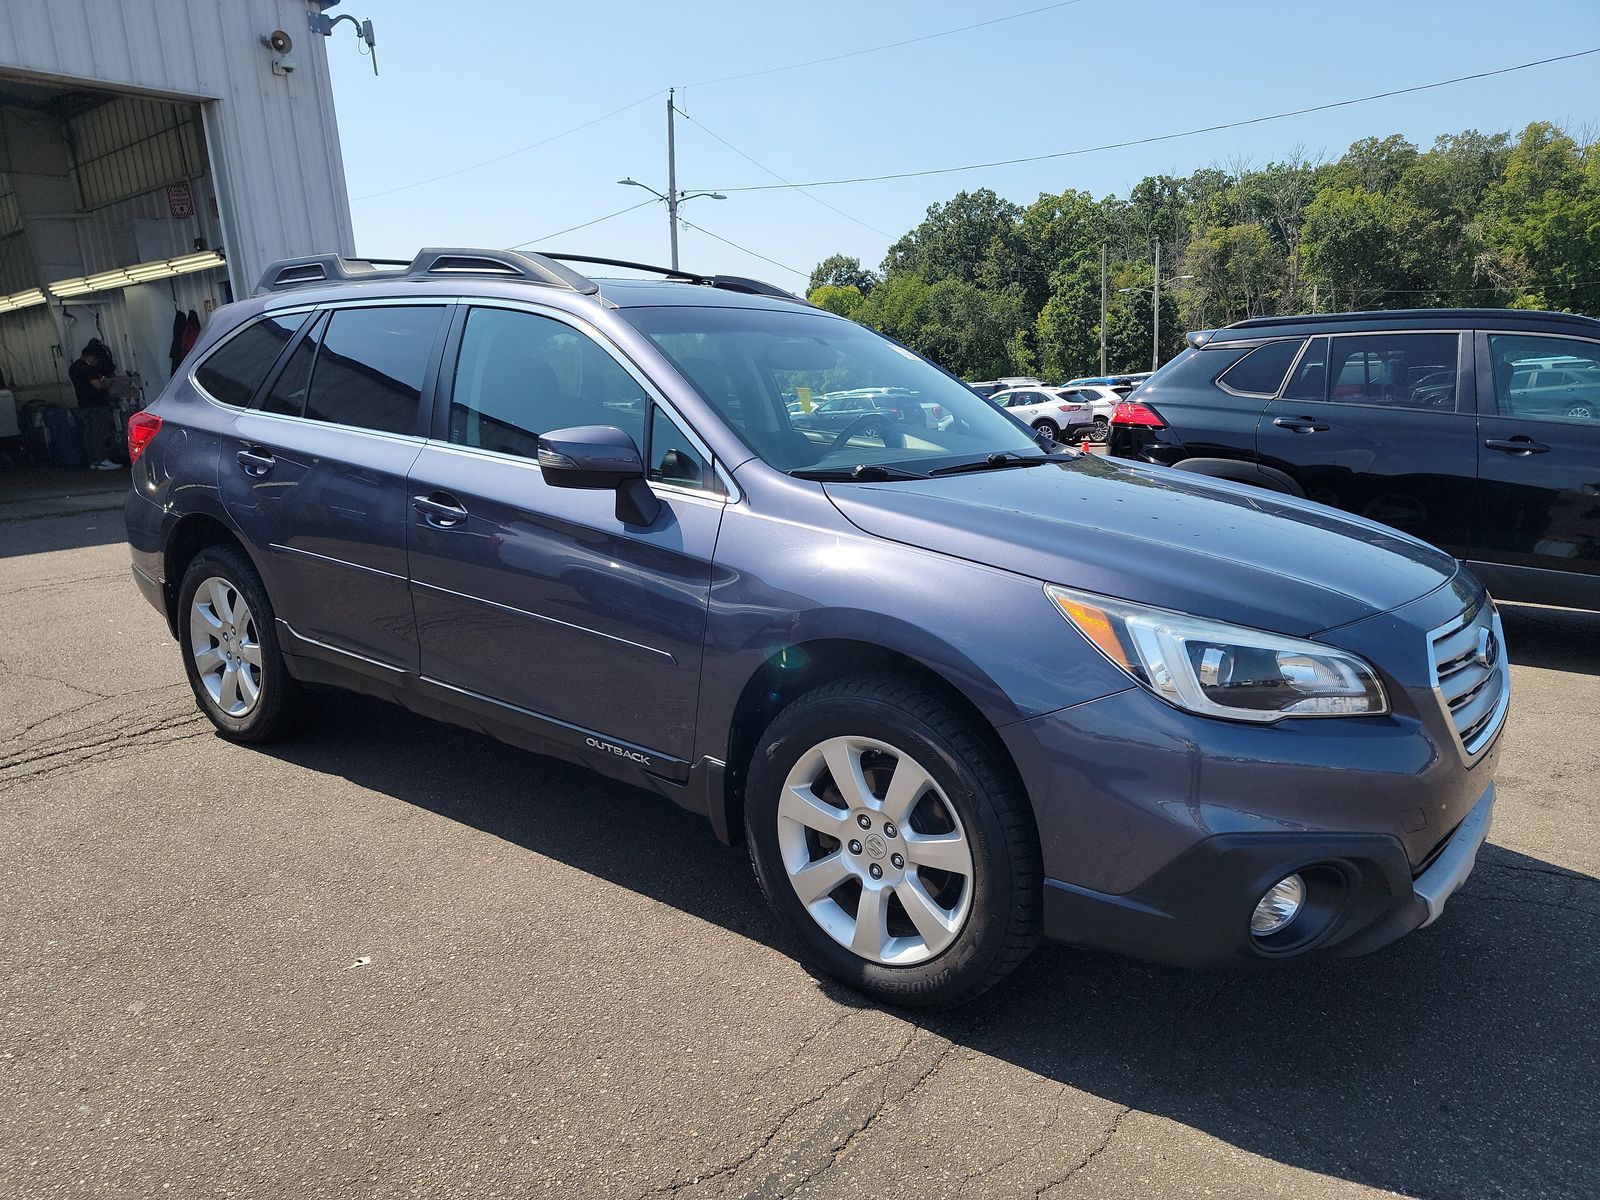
{"points": [[1477, 430]]}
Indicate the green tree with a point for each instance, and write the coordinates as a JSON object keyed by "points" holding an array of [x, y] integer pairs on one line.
{"points": [[956, 238], [838, 270]]}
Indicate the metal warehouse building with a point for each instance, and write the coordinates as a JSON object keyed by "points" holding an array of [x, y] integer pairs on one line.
{"points": [[155, 155]]}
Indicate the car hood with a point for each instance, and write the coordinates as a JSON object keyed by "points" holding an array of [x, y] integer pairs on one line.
{"points": [[1158, 536]]}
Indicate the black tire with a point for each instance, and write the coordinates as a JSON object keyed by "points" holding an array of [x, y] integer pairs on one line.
{"points": [[1101, 432], [1004, 918], [1049, 428], [281, 699]]}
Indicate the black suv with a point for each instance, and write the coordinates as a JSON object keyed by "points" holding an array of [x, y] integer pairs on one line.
{"points": [[1475, 429]]}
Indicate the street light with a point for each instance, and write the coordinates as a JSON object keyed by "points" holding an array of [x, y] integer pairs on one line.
{"points": [[672, 207], [1155, 313]]}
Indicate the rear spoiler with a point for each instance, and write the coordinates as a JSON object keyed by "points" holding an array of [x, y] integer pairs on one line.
{"points": [[1200, 337]]}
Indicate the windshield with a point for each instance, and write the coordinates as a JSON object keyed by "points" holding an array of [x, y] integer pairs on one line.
{"points": [[815, 394]]}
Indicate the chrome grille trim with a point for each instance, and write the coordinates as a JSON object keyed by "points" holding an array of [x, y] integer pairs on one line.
{"points": [[1472, 697]]}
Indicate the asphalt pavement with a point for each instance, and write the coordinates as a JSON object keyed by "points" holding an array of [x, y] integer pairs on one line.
{"points": [[392, 958]]}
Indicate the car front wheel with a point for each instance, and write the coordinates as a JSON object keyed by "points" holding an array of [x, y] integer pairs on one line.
{"points": [[893, 840]]}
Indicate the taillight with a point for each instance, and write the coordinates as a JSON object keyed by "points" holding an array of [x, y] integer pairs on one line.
{"points": [[1070, 407], [1130, 412], [142, 426]]}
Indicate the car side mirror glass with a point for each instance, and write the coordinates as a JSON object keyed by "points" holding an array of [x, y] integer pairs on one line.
{"points": [[600, 457]]}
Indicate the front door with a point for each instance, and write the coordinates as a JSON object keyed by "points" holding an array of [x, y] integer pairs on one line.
{"points": [[1539, 461], [315, 477], [1376, 424], [538, 600]]}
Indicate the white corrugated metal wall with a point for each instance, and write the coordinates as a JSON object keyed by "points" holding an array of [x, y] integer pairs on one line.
{"points": [[259, 149]]}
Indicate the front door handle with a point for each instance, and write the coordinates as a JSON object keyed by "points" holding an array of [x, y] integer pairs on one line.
{"points": [[1517, 445], [255, 461], [1300, 424], [440, 509]]}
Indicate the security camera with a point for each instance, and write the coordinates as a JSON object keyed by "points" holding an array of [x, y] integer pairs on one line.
{"points": [[279, 41]]}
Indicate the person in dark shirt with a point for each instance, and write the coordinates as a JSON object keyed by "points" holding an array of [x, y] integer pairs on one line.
{"points": [[91, 382]]}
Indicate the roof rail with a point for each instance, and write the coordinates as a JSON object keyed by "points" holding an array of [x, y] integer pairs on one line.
{"points": [[1386, 315], [730, 283], [431, 263]]}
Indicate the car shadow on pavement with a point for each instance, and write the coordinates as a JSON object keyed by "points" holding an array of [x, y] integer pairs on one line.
{"points": [[1460, 1061], [1559, 639]]}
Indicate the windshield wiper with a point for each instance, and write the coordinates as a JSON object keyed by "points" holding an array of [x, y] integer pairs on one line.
{"points": [[993, 462], [861, 473]]}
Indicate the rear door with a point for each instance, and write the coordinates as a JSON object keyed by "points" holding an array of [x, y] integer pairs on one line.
{"points": [[1379, 424], [1539, 458], [315, 477], [536, 604]]}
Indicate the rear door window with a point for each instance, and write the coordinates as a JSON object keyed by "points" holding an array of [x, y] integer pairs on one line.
{"points": [[1395, 370], [1261, 372], [232, 373], [371, 365]]}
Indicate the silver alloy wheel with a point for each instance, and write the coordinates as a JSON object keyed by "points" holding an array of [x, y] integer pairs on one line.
{"points": [[848, 830], [226, 646], [1101, 430], [1582, 412]]}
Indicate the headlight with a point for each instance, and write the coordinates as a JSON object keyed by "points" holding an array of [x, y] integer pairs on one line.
{"points": [[1220, 670]]}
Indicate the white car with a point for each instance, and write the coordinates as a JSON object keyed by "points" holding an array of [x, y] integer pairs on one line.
{"points": [[1048, 410], [1102, 398]]}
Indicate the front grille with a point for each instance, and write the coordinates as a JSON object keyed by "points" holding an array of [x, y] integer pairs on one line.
{"points": [[1471, 677]]}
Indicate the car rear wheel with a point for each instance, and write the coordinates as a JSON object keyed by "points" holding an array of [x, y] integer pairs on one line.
{"points": [[1582, 411], [230, 648], [894, 842], [1101, 430], [1049, 428]]}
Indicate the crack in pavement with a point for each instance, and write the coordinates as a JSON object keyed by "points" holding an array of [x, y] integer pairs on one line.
{"points": [[1106, 1139]]}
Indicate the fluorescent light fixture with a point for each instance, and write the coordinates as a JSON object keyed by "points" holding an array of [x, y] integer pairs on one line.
{"points": [[121, 277], [18, 300]]}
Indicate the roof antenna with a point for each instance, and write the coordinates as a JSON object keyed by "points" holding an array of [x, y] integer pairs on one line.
{"points": [[322, 23]]}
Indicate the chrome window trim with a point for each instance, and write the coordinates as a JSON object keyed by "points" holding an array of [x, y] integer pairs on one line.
{"points": [[528, 464], [622, 359], [312, 422], [190, 371]]}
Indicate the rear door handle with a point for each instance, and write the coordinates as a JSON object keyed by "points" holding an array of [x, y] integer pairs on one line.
{"points": [[256, 461], [1300, 424], [440, 509], [1517, 445]]}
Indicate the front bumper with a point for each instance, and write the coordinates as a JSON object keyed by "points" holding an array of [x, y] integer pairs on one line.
{"points": [[1196, 910]]}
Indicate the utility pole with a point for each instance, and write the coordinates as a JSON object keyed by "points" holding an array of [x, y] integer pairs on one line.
{"points": [[1155, 313], [672, 181], [1102, 308]]}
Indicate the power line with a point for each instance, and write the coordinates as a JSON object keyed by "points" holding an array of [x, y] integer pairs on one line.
{"points": [[745, 249], [926, 37], [787, 183], [512, 153], [1164, 137], [585, 225]]}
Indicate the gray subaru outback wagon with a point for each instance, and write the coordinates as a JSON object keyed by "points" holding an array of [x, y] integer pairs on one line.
{"points": [[954, 685]]}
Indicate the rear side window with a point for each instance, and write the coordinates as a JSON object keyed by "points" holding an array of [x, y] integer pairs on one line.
{"points": [[1261, 372], [1526, 386], [1396, 370], [370, 368], [233, 371], [288, 394]]}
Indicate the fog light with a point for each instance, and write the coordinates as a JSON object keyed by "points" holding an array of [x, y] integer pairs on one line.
{"points": [[1279, 906]]}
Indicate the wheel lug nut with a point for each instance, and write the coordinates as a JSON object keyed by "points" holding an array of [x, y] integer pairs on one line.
{"points": [[875, 871], [855, 846], [888, 829], [898, 860], [864, 821]]}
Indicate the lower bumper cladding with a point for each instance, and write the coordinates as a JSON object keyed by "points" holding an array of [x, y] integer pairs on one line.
{"points": [[1196, 910]]}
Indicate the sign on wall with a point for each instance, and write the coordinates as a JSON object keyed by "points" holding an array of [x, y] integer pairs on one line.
{"points": [[180, 199]]}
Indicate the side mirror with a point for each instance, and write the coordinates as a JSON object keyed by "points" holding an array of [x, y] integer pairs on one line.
{"points": [[600, 457]]}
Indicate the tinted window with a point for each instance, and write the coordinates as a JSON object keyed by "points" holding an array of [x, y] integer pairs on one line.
{"points": [[288, 394], [233, 372], [1261, 372], [674, 458], [1310, 379], [520, 375], [1399, 370], [370, 368], [1525, 387]]}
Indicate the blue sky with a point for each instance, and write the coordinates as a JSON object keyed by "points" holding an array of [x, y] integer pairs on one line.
{"points": [[461, 83]]}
